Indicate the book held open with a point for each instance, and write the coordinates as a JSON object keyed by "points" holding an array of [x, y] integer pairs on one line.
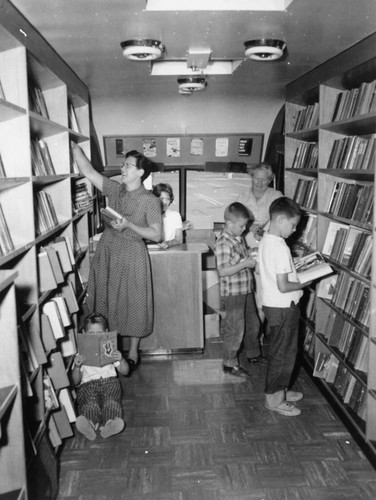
{"points": [[98, 349], [311, 267]]}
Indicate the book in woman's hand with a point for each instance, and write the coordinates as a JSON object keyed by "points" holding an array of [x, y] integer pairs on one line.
{"points": [[311, 267], [110, 214]]}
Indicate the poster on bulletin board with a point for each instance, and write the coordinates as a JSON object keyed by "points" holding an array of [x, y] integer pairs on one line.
{"points": [[186, 150]]}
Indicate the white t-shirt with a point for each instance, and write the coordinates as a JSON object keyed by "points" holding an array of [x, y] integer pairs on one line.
{"points": [[96, 372], [274, 257], [171, 222]]}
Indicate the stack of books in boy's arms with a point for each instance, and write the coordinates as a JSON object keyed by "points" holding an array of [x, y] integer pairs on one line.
{"points": [[311, 267], [81, 197]]}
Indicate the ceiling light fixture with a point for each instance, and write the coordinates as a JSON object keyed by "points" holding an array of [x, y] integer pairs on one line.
{"points": [[191, 84], [264, 49], [142, 50]]}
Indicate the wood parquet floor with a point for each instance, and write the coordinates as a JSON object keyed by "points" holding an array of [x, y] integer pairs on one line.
{"points": [[193, 433]]}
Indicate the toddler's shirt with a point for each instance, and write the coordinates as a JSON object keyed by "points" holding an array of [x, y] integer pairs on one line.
{"points": [[90, 373]]}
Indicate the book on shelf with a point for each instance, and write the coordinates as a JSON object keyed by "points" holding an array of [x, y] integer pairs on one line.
{"points": [[37, 103], [68, 345], [353, 237], [326, 286], [57, 371], [53, 433], [110, 215], [62, 423], [50, 399], [46, 157], [322, 364], [55, 264], [46, 276], [81, 196], [73, 122], [46, 217], [354, 102], [97, 349], [51, 309], [331, 235], [27, 354], [66, 400], [311, 267], [6, 242], [309, 342], [68, 293], [306, 156], [2, 168], [60, 246], [63, 310], [48, 338]]}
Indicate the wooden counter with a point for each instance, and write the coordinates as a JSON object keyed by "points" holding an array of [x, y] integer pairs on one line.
{"points": [[178, 306]]}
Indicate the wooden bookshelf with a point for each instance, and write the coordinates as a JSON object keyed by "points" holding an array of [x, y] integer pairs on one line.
{"points": [[338, 339], [42, 103]]}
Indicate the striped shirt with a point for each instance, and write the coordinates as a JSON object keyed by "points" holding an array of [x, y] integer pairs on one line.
{"points": [[230, 250]]}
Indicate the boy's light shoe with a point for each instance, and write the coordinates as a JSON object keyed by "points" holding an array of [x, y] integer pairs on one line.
{"points": [[293, 396], [112, 427], [84, 426], [285, 408]]}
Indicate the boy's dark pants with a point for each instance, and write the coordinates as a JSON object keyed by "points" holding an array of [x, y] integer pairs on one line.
{"points": [[283, 346]]}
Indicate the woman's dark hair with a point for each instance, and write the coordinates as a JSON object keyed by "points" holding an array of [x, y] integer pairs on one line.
{"points": [[141, 163], [158, 189], [95, 319]]}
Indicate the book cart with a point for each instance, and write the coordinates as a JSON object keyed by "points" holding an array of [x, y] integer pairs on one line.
{"points": [[329, 170], [46, 220]]}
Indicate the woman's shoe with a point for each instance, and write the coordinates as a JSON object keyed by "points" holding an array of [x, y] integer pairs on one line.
{"points": [[133, 365]]}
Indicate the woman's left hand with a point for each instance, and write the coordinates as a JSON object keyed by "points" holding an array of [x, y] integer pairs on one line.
{"points": [[120, 225]]}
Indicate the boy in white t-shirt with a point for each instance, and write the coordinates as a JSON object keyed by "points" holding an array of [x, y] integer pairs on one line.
{"points": [[280, 294]]}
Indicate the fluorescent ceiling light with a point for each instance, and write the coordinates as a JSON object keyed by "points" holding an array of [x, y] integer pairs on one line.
{"points": [[163, 68], [218, 5]]}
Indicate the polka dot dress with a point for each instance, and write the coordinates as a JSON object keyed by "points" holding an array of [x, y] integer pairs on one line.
{"points": [[120, 285]]}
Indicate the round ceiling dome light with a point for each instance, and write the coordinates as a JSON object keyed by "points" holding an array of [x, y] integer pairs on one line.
{"points": [[142, 50], [191, 84], [264, 49]]}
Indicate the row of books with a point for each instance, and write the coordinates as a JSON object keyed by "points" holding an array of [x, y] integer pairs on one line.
{"points": [[306, 193], [46, 217], [306, 155], [353, 201], [349, 388], [307, 117], [350, 342], [355, 102], [40, 158], [352, 297], [81, 197], [353, 153], [6, 242], [350, 246]]}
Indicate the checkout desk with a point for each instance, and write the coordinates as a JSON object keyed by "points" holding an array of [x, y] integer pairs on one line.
{"points": [[178, 306]]}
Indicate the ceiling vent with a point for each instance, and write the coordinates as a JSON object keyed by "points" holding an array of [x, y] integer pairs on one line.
{"points": [[142, 50], [264, 49]]}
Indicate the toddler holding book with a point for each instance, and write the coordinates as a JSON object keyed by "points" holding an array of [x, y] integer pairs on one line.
{"points": [[99, 390]]}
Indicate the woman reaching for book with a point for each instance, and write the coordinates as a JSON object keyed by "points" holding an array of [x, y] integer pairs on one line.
{"points": [[119, 285]]}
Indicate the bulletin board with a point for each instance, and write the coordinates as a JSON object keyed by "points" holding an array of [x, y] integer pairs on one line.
{"points": [[186, 149]]}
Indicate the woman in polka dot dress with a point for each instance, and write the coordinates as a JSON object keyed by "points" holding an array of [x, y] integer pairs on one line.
{"points": [[119, 285]]}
